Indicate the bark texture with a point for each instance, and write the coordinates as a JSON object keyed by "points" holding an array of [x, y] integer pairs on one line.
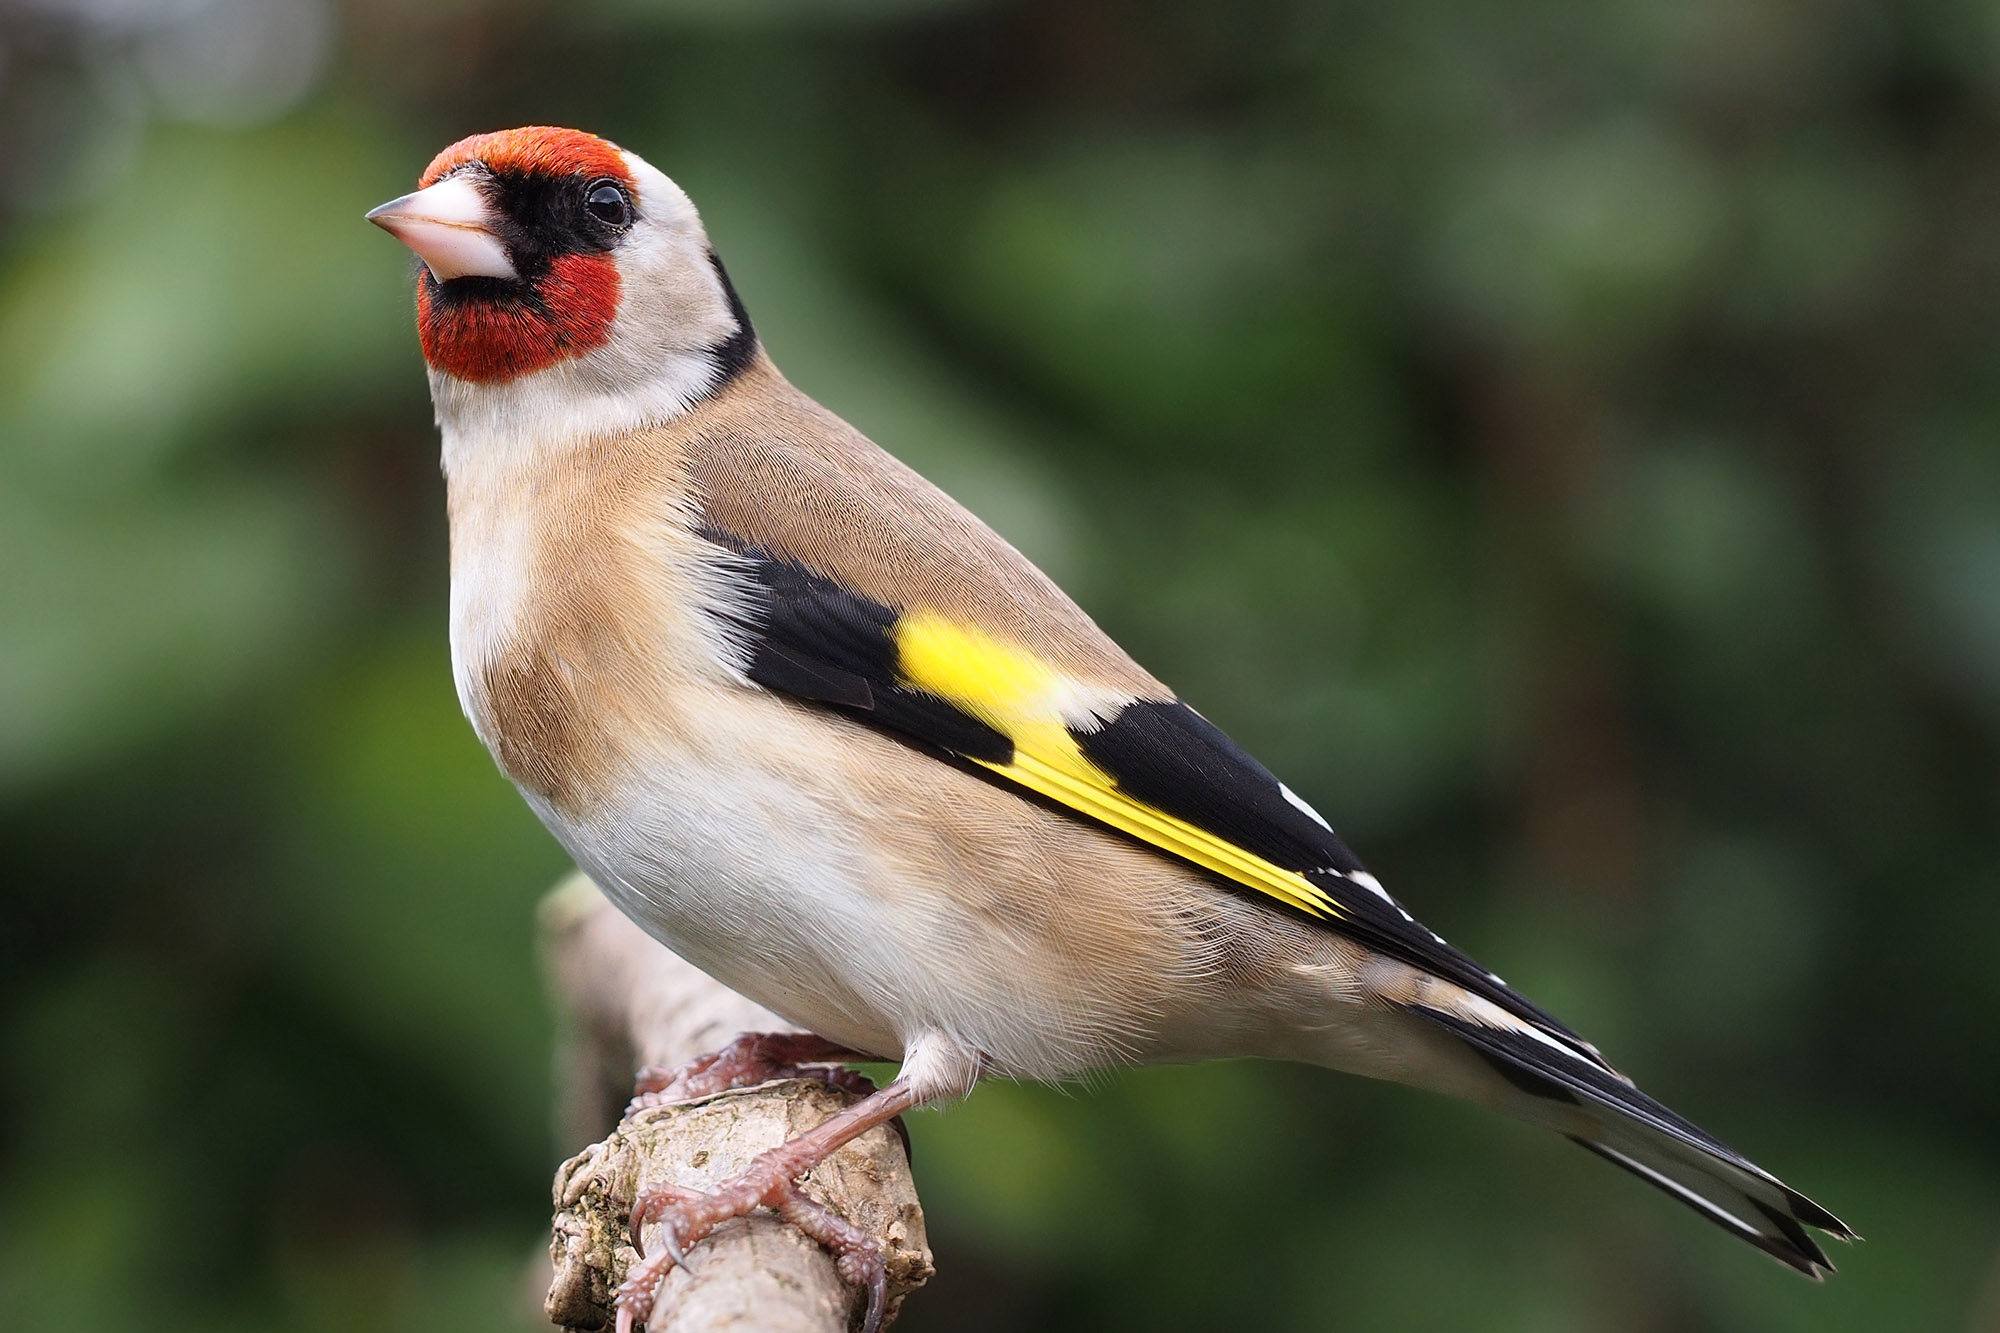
{"points": [[629, 1002]]}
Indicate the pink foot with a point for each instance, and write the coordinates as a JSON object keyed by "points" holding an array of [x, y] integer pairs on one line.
{"points": [[687, 1216], [753, 1058]]}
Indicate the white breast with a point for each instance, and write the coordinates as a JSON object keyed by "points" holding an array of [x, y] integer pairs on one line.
{"points": [[489, 583], [758, 884]]}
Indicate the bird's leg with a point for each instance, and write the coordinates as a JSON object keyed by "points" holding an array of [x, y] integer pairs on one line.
{"points": [[686, 1216], [753, 1058]]}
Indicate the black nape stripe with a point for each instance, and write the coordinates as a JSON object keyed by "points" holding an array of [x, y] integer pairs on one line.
{"points": [[733, 354]]}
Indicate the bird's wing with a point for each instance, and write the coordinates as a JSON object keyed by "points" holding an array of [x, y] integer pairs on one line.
{"points": [[1150, 768]]}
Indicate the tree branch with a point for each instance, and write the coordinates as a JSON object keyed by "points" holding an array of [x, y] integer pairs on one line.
{"points": [[628, 1002]]}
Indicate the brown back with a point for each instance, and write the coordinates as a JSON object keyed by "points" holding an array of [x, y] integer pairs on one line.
{"points": [[772, 467]]}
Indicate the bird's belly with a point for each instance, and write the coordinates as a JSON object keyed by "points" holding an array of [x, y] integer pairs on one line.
{"points": [[729, 873], [871, 894]]}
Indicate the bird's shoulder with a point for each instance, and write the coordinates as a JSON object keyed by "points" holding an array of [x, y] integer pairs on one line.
{"points": [[772, 471]]}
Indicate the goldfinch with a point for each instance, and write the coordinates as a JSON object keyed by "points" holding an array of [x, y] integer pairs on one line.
{"points": [[831, 739]]}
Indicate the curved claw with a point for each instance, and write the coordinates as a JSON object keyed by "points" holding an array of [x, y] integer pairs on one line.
{"points": [[769, 1181], [858, 1257], [670, 1243], [878, 1299], [652, 1204]]}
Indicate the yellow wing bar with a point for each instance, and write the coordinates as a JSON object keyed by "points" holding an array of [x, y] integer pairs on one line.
{"points": [[1105, 803], [1020, 696]]}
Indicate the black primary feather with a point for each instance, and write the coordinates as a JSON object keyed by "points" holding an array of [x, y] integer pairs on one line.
{"points": [[1172, 758], [812, 639]]}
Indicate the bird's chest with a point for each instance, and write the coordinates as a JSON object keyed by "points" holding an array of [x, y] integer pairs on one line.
{"points": [[587, 658], [493, 612], [577, 630]]}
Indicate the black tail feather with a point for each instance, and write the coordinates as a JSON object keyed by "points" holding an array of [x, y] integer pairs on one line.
{"points": [[1617, 1122]]}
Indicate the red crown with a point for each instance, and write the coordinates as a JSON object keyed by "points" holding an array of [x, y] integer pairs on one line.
{"points": [[534, 150]]}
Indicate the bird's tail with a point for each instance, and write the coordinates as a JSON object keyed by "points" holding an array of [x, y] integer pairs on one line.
{"points": [[1554, 1079]]}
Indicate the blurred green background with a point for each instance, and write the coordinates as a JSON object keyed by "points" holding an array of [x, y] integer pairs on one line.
{"points": [[1560, 439]]}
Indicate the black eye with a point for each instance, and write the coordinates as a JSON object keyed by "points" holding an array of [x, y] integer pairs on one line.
{"points": [[607, 203]]}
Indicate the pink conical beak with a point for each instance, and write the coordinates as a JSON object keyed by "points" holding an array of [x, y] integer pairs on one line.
{"points": [[449, 225]]}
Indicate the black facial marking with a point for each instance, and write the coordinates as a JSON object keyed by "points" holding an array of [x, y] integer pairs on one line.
{"points": [[540, 217]]}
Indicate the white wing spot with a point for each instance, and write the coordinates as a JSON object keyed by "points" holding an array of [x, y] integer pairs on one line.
{"points": [[1372, 884], [1298, 803]]}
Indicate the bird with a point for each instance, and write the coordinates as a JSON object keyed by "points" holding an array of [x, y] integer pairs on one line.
{"points": [[831, 739]]}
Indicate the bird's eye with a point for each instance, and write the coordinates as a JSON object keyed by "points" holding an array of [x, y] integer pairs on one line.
{"points": [[605, 202]]}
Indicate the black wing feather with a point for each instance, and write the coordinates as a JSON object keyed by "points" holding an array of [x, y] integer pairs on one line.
{"points": [[812, 639], [1174, 759]]}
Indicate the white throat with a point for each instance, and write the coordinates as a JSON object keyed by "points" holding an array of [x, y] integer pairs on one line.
{"points": [[563, 406]]}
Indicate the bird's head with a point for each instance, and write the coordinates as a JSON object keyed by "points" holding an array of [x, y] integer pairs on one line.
{"points": [[557, 261]]}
